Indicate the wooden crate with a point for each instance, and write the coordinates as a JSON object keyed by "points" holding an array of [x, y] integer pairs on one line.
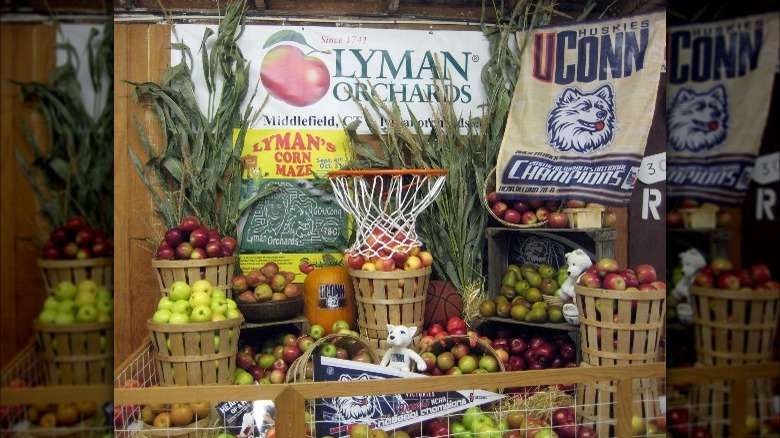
{"points": [[506, 246]]}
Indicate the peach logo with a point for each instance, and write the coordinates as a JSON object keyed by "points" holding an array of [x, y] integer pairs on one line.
{"points": [[290, 75]]}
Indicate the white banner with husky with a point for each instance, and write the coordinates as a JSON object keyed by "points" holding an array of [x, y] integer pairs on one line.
{"points": [[720, 78], [582, 110], [310, 74]]}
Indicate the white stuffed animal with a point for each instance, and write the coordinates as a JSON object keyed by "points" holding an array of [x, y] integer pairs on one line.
{"points": [[577, 262], [691, 262], [398, 356]]}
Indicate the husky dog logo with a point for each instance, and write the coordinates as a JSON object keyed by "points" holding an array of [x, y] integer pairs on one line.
{"points": [[332, 302], [698, 121], [582, 122], [350, 409]]}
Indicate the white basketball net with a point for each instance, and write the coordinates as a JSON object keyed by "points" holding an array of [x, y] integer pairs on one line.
{"points": [[385, 208]]}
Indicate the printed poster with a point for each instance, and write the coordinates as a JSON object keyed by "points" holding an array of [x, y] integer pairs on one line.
{"points": [[309, 73], [301, 221], [582, 109], [720, 78], [335, 416]]}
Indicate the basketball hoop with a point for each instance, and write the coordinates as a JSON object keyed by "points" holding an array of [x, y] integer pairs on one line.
{"points": [[385, 204]]}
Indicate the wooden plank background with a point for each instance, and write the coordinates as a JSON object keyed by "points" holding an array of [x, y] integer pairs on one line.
{"points": [[27, 54]]}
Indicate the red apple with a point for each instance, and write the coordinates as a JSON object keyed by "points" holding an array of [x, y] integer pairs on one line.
{"points": [[591, 280], [292, 77], [607, 265], [512, 216], [646, 273], [521, 206], [575, 203], [529, 217], [189, 224], [760, 272], [455, 322], [542, 213], [630, 277], [674, 219], [491, 198], [499, 209], [614, 281], [558, 219], [728, 280]]}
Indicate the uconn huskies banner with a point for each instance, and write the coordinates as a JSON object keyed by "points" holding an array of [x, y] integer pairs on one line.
{"points": [[719, 88], [582, 110], [336, 416]]}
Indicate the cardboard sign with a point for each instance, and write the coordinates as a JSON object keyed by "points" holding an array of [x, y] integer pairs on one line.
{"points": [[310, 72], [719, 90], [300, 221], [582, 110], [388, 412]]}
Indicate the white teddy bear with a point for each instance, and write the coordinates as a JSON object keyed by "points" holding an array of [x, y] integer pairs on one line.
{"points": [[691, 262], [577, 262], [398, 356]]}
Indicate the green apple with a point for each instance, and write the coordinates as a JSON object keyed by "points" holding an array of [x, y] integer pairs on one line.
{"points": [[470, 415], [66, 306], [217, 317], [103, 293], [182, 306], [180, 290], [86, 298], [47, 316], [202, 286], [479, 421], [65, 290], [316, 331], [162, 316], [65, 318], [200, 298], [201, 313], [243, 378], [165, 303], [218, 293], [102, 342], [231, 304], [86, 314], [51, 303], [338, 325], [328, 350], [219, 305], [179, 318], [88, 285], [232, 313], [216, 342], [106, 306]]}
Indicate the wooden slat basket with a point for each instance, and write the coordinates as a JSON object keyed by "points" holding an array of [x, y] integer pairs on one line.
{"points": [[301, 370], [620, 327], [76, 354], [476, 345], [100, 270], [188, 354], [396, 298], [734, 327], [217, 270], [596, 403]]}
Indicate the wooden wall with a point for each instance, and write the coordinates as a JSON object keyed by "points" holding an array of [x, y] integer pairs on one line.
{"points": [[27, 53]]}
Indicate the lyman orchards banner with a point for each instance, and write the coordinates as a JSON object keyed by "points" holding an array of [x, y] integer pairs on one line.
{"points": [[720, 78], [299, 222], [582, 110], [336, 416], [310, 73]]}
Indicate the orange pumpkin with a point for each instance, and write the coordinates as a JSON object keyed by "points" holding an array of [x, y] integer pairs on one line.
{"points": [[329, 297]]}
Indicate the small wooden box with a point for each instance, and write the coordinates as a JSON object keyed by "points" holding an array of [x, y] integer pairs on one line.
{"points": [[584, 218]]}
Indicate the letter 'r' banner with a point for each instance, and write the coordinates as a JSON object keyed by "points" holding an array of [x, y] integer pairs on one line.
{"points": [[720, 78], [582, 110]]}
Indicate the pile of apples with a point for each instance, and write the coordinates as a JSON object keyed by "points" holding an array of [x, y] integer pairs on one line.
{"points": [[384, 252], [192, 240], [174, 415], [459, 357], [527, 212], [84, 302], [268, 360], [721, 273], [522, 292], [267, 283], [77, 240], [196, 303], [51, 415], [607, 274]]}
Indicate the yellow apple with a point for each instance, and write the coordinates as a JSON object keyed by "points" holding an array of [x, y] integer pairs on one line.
{"points": [[201, 285], [413, 262], [426, 258], [200, 298], [368, 266]]}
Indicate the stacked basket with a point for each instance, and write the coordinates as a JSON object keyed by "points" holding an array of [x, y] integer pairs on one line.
{"points": [[618, 328], [81, 353], [733, 327]]}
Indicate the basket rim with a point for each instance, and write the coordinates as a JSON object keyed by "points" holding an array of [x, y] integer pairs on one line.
{"points": [[739, 294], [71, 263], [174, 429], [77, 327], [332, 337], [391, 275], [491, 175], [210, 261], [193, 326], [445, 339], [642, 295]]}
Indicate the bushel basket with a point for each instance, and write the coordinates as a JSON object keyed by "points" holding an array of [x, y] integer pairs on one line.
{"points": [[620, 327], [190, 354], [100, 270], [218, 271], [302, 368], [76, 354]]}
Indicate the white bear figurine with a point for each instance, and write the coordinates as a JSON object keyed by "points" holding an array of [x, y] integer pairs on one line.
{"points": [[398, 356], [578, 262], [691, 261]]}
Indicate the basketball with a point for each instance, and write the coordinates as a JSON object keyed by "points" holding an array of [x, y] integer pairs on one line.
{"points": [[441, 302]]}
